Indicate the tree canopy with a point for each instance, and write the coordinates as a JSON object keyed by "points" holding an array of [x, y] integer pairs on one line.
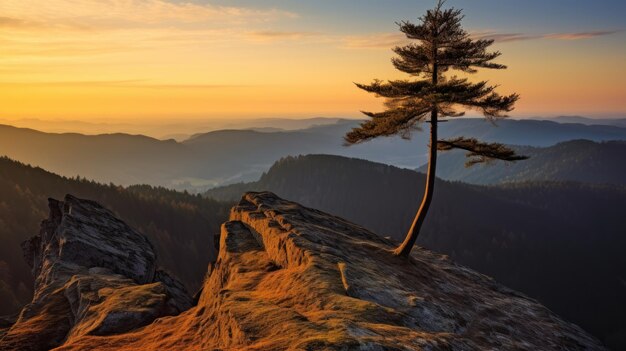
{"points": [[440, 45]]}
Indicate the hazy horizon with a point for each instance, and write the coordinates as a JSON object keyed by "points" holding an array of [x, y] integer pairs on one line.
{"points": [[180, 129]]}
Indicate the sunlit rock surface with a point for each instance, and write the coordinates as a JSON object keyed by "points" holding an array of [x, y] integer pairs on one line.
{"points": [[289, 277], [94, 276]]}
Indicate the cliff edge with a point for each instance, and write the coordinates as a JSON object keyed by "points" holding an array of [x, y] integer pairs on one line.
{"points": [[290, 277], [94, 275]]}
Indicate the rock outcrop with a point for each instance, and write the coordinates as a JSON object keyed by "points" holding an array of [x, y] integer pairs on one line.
{"points": [[94, 276], [290, 277]]}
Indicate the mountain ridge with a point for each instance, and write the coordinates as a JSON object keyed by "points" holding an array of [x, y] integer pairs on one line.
{"points": [[576, 160], [243, 155]]}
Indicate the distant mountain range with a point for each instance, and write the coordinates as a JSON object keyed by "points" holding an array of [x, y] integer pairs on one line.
{"points": [[179, 128], [618, 122], [229, 156], [561, 243], [576, 160]]}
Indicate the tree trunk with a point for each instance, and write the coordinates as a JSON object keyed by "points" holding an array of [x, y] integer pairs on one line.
{"points": [[405, 248]]}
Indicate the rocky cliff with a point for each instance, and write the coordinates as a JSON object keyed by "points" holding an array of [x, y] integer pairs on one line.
{"points": [[94, 276], [287, 277]]}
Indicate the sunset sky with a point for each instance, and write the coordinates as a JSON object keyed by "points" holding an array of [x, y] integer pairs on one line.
{"points": [[140, 59]]}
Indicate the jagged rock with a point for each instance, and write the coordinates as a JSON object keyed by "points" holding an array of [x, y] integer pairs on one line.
{"points": [[289, 277], [94, 275]]}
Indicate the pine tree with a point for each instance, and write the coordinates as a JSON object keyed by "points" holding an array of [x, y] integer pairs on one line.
{"points": [[441, 45]]}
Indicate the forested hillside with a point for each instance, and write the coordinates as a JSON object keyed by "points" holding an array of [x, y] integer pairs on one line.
{"points": [[577, 160], [181, 226], [561, 243]]}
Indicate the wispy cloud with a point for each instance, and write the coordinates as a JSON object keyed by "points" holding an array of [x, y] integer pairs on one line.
{"points": [[9, 22], [59, 29], [374, 41], [504, 37], [581, 35], [63, 47], [389, 40], [31, 24], [126, 83], [271, 35], [129, 13], [509, 37], [99, 83]]}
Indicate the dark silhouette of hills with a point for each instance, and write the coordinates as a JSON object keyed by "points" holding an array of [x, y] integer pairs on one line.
{"points": [[181, 226], [227, 156], [576, 160], [559, 242]]}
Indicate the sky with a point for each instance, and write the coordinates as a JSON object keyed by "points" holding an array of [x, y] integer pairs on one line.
{"points": [[171, 59]]}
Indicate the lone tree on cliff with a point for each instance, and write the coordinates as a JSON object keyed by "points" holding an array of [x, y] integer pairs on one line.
{"points": [[441, 45]]}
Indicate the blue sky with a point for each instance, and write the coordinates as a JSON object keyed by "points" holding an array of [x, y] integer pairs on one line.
{"points": [[528, 15]]}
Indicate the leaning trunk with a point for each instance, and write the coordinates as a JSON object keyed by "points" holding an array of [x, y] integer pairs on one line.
{"points": [[405, 248]]}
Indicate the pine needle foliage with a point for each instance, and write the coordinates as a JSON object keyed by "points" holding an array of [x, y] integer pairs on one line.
{"points": [[442, 45], [480, 152], [439, 45]]}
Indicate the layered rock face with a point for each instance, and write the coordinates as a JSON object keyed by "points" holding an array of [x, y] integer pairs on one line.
{"points": [[293, 278], [94, 276]]}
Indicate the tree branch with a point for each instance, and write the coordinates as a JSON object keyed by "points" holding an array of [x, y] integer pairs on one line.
{"points": [[480, 152]]}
